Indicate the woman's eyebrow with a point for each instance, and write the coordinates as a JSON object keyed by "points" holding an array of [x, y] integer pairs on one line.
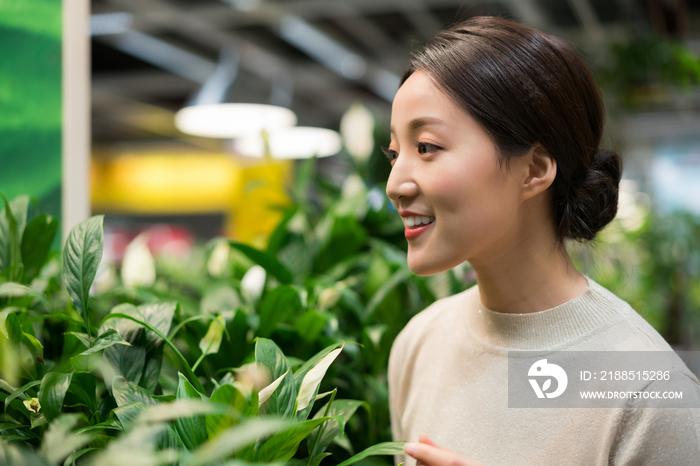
{"points": [[419, 122]]}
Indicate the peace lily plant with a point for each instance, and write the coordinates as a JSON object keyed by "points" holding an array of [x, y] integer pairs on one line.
{"points": [[85, 384]]}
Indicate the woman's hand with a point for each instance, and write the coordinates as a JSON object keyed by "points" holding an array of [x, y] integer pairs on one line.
{"points": [[427, 453]]}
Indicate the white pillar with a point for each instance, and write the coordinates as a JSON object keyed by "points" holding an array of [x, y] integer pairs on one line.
{"points": [[76, 114]]}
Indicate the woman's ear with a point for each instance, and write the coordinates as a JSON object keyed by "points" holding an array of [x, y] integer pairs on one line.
{"points": [[539, 170]]}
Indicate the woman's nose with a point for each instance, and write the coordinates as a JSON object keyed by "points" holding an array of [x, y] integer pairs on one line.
{"points": [[401, 182]]}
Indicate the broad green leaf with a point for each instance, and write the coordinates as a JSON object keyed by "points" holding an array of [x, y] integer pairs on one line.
{"points": [[229, 395], [192, 430], [54, 386], [89, 359], [343, 408], [316, 460], [12, 221], [109, 424], [285, 443], [16, 290], [282, 400], [271, 265], [36, 243], [212, 340], [59, 441], [81, 258], [145, 329], [16, 455], [76, 455], [184, 408], [129, 412], [179, 355], [170, 439], [399, 277], [84, 386], [231, 440], [128, 361], [311, 381], [3, 317], [310, 325], [385, 448], [20, 392], [128, 392], [279, 304]]}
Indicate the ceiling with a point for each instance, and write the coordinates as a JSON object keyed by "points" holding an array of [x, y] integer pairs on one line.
{"points": [[318, 56]]}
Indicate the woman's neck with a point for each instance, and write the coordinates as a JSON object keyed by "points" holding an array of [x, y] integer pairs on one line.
{"points": [[526, 272]]}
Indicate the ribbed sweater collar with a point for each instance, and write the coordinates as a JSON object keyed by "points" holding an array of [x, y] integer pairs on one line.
{"points": [[551, 329]]}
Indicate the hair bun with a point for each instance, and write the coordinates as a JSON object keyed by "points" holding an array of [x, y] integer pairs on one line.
{"points": [[592, 200]]}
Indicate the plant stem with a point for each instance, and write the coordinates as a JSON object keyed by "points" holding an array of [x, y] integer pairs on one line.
{"points": [[194, 368], [323, 426]]}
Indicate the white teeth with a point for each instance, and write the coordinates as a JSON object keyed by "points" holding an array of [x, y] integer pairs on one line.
{"points": [[415, 221]]}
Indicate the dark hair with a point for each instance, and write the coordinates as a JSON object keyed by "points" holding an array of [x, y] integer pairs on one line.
{"points": [[526, 87]]}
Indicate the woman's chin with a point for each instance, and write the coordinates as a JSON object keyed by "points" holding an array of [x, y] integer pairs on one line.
{"points": [[421, 267]]}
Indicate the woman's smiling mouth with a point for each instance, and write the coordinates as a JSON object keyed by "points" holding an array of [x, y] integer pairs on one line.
{"points": [[415, 224]]}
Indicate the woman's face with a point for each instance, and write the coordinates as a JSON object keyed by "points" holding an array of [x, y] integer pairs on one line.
{"points": [[445, 167]]}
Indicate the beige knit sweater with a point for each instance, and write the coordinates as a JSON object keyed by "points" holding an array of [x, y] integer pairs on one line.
{"points": [[448, 380]]}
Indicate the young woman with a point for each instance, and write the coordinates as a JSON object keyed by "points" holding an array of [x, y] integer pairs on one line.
{"points": [[495, 135]]}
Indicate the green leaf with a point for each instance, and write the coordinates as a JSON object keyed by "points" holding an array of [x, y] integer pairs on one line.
{"points": [[310, 325], [142, 361], [282, 302], [212, 340], [282, 399], [232, 440], [229, 395], [59, 441], [73, 457], [399, 277], [285, 443], [129, 412], [128, 392], [20, 392], [342, 408], [36, 244], [301, 373], [271, 265], [16, 290], [3, 317], [54, 386], [109, 424], [83, 385], [12, 221], [89, 359], [192, 430], [81, 258], [385, 448]]}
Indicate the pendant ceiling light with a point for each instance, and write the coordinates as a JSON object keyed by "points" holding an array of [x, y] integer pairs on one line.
{"points": [[291, 143], [208, 114]]}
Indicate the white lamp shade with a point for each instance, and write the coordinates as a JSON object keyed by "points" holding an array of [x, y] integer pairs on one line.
{"points": [[298, 142], [233, 119]]}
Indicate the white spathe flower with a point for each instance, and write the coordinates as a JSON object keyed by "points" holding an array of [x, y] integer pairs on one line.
{"points": [[218, 259], [252, 283], [357, 127], [352, 186], [313, 378], [266, 392], [138, 266]]}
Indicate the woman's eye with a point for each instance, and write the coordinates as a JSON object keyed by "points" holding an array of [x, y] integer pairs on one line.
{"points": [[424, 147], [390, 154]]}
